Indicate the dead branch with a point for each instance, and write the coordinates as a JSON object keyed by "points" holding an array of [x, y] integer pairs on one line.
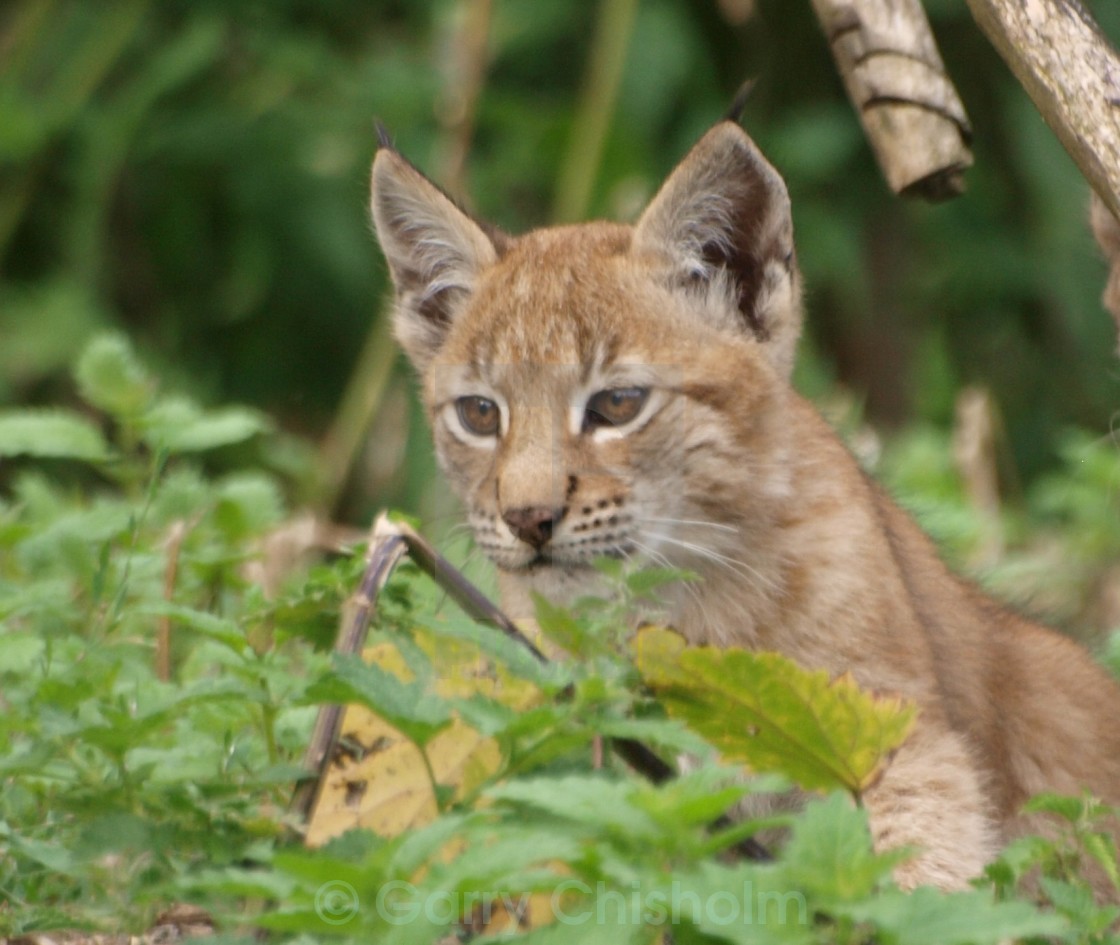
{"points": [[386, 548], [1106, 228], [170, 575], [1071, 72], [909, 108], [975, 452]]}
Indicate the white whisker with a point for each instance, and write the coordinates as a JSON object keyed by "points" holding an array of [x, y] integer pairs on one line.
{"points": [[733, 565], [691, 521], [659, 559]]}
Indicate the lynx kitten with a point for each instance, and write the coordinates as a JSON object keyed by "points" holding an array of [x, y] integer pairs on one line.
{"points": [[624, 390]]}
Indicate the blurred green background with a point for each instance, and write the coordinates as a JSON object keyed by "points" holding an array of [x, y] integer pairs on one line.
{"points": [[195, 173]]}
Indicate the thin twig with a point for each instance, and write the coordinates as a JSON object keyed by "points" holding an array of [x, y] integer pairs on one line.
{"points": [[474, 603], [170, 574], [386, 548], [361, 401]]}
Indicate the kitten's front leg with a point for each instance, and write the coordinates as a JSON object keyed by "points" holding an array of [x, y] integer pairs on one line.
{"points": [[930, 798]]}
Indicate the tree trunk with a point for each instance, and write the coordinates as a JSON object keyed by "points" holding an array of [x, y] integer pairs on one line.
{"points": [[910, 110], [1072, 74]]}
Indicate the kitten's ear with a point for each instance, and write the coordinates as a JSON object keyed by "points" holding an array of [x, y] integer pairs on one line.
{"points": [[434, 250], [722, 221]]}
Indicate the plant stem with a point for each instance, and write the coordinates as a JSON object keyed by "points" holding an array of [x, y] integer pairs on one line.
{"points": [[360, 402], [596, 106], [268, 725], [462, 89]]}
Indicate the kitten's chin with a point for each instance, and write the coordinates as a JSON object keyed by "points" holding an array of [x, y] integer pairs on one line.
{"points": [[560, 583]]}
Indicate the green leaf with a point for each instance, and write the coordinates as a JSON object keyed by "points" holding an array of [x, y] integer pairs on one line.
{"points": [[766, 711], [236, 881], [495, 644], [180, 426], [591, 800], [670, 734], [20, 653], [563, 629], [248, 503], [829, 854], [1102, 848], [111, 378], [220, 629], [697, 798], [49, 855], [409, 852], [644, 582], [744, 903], [410, 707], [1074, 900], [1071, 809], [930, 917], [493, 858], [50, 434]]}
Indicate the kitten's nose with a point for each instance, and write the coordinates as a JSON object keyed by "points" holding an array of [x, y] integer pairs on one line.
{"points": [[533, 525]]}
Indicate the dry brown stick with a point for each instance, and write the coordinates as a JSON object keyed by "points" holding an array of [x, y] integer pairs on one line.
{"points": [[975, 452], [909, 108], [386, 548], [388, 543], [474, 603], [1106, 228], [1067, 66], [170, 574]]}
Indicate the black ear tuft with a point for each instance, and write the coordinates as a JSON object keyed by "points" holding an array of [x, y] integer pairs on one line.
{"points": [[384, 139], [739, 102]]}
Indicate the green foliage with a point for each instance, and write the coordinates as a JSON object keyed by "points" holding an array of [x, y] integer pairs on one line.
{"points": [[126, 790], [197, 173], [116, 780], [50, 434], [1082, 846]]}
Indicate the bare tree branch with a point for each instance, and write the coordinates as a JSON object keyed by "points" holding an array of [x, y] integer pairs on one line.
{"points": [[910, 110], [1064, 61], [1106, 228]]}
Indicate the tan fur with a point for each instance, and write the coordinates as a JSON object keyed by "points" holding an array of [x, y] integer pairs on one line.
{"points": [[727, 472]]}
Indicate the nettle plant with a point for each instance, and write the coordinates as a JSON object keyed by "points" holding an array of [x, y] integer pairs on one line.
{"points": [[157, 702], [151, 694]]}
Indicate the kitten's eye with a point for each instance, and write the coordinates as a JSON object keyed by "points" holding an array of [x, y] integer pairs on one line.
{"points": [[479, 415], [613, 408]]}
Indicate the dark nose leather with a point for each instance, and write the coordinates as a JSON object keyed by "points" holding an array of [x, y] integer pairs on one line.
{"points": [[533, 525]]}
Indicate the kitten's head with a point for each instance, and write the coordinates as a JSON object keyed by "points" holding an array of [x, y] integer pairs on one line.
{"points": [[604, 389]]}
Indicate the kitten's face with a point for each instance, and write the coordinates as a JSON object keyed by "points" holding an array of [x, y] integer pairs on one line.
{"points": [[600, 389], [583, 408]]}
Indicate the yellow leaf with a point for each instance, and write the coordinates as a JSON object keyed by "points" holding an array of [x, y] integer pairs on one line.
{"points": [[766, 711], [380, 780]]}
